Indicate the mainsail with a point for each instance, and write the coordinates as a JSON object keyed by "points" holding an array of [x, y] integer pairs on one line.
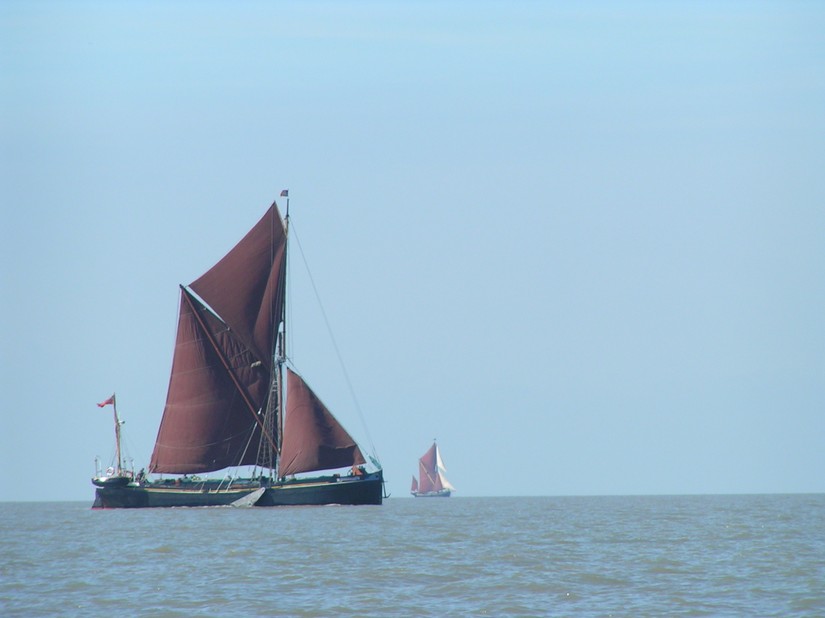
{"points": [[209, 418], [223, 361]]}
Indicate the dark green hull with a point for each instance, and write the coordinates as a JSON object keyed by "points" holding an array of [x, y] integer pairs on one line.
{"points": [[349, 490]]}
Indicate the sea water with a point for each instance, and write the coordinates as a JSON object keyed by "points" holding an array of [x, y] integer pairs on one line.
{"points": [[566, 556]]}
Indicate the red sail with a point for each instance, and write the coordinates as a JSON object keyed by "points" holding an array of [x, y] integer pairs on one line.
{"points": [[246, 288], [430, 460], [428, 481], [312, 438], [431, 472], [215, 385], [222, 366], [428, 472]]}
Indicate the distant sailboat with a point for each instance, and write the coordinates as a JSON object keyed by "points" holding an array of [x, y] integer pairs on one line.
{"points": [[234, 401], [432, 482]]}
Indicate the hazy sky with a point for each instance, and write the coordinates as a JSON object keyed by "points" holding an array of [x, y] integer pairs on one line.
{"points": [[581, 244]]}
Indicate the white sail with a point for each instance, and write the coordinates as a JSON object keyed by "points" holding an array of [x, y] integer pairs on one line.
{"points": [[442, 471]]}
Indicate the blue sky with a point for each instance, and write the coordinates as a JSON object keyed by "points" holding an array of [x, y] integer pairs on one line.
{"points": [[580, 244]]}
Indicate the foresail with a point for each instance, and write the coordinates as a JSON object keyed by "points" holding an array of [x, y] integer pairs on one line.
{"points": [[439, 463], [246, 288], [445, 484], [312, 437], [215, 391], [441, 470]]}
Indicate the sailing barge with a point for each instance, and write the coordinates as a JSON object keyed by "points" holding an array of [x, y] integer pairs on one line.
{"points": [[432, 482], [234, 400]]}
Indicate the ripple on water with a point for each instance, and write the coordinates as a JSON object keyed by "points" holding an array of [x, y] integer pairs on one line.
{"points": [[735, 556]]}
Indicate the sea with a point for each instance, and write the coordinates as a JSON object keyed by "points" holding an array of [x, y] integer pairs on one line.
{"points": [[740, 555]]}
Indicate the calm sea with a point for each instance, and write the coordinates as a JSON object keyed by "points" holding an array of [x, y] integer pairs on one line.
{"points": [[577, 556]]}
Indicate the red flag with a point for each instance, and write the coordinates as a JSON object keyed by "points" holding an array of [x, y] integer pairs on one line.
{"points": [[285, 193], [109, 401]]}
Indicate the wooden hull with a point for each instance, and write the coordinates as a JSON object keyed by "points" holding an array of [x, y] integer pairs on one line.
{"points": [[351, 490]]}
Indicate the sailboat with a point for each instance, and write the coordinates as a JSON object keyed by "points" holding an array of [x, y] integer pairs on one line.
{"points": [[432, 482], [235, 401], [118, 474]]}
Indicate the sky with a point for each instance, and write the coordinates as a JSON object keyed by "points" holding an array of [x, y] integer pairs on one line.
{"points": [[582, 245]]}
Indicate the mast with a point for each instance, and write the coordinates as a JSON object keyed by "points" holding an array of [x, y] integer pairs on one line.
{"points": [[280, 353], [118, 469], [269, 452], [285, 193]]}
